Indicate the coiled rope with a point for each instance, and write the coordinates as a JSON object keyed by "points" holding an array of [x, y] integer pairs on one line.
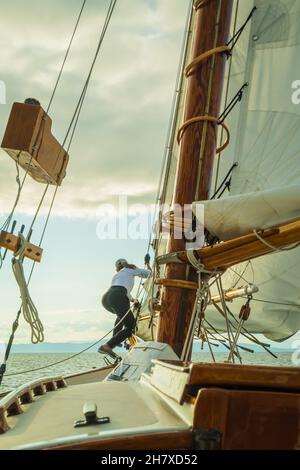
{"points": [[29, 310]]}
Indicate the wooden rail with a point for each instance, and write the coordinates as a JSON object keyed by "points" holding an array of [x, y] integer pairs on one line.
{"points": [[12, 403]]}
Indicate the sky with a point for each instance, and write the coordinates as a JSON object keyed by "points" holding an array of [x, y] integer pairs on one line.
{"points": [[117, 149]]}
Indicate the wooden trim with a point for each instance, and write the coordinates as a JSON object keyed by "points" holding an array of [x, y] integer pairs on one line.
{"points": [[235, 251], [12, 242], [246, 419], [11, 403], [91, 371], [235, 375], [150, 441]]}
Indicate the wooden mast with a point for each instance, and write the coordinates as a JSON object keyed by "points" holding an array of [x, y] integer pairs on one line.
{"points": [[197, 152]]}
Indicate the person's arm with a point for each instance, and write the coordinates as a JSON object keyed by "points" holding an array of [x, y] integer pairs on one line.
{"points": [[147, 262], [144, 273]]}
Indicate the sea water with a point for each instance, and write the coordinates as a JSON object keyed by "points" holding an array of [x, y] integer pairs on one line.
{"points": [[20, 367]]}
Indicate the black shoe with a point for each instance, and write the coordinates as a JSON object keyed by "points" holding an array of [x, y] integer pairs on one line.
{"points": [[105, 349]]}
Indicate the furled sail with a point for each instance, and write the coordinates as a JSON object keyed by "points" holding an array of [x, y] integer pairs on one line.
{"points": [[265, 144]]}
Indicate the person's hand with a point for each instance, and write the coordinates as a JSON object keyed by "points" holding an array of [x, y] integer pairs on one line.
{"points": [[147, 259]]}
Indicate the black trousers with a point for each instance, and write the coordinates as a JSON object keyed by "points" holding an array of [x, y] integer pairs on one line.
{"points": [[115, 300]]}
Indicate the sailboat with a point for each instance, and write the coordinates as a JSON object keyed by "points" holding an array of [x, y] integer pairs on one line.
{"points": [[233, 152]]}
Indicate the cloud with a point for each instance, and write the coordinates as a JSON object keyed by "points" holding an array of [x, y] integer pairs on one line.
{"points": [[66, 325], [122, 130]]}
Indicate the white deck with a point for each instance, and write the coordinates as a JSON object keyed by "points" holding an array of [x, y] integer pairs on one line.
{"points": [[132, 408]]}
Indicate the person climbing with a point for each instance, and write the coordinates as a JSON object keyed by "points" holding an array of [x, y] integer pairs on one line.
{"points": [[117, 300]]}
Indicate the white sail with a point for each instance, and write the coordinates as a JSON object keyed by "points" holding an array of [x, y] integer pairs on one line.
{"points": [[265, 143]]}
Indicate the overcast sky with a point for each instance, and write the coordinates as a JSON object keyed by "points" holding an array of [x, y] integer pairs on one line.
{"points": [[117, 149]]}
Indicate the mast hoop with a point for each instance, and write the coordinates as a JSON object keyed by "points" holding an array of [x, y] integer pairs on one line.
{"points": [[200, 4], [216, 50], [177, 283], [207, 118]]}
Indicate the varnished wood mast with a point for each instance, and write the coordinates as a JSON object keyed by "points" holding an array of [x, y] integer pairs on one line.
{"points": [[205, 83]]}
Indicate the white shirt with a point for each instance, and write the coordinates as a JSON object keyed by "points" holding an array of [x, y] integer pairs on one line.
{"points": [[125, 277]]}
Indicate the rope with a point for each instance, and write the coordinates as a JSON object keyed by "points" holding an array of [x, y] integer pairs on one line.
{"points": [[73, 355], [74, 121], [231, 105], [201, 301], [205, 119], [9, 345], [20, 185], [206, 55], [66, 56], [274, 248], [249, 335], [161, 188], [30, 312], [285, 304], [228, 324], [224, 180], [226, 94], [237, 35], [6, 224]]}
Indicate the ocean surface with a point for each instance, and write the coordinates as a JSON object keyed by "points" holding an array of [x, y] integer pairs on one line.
{"points": [[20, 367]]}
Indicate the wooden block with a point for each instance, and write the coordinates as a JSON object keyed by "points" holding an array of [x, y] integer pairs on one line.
{"points": [[12, 242], [29, 141]]}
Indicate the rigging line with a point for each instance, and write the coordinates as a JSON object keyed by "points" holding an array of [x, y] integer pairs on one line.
{"points": [[244, 331], [224, 180], [227, 321], [6, 224], [237, 35], [274, 248], [75, 117], [285, 304], [76, 114], [231, 105], [73, 355], [226, 186], [226, 94], [251, 337], [208, 100], [222, 338], [66, 56], [241, 276], [8, 220], [208, 343], [223, 343], [167, 156], [9, 345]]}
